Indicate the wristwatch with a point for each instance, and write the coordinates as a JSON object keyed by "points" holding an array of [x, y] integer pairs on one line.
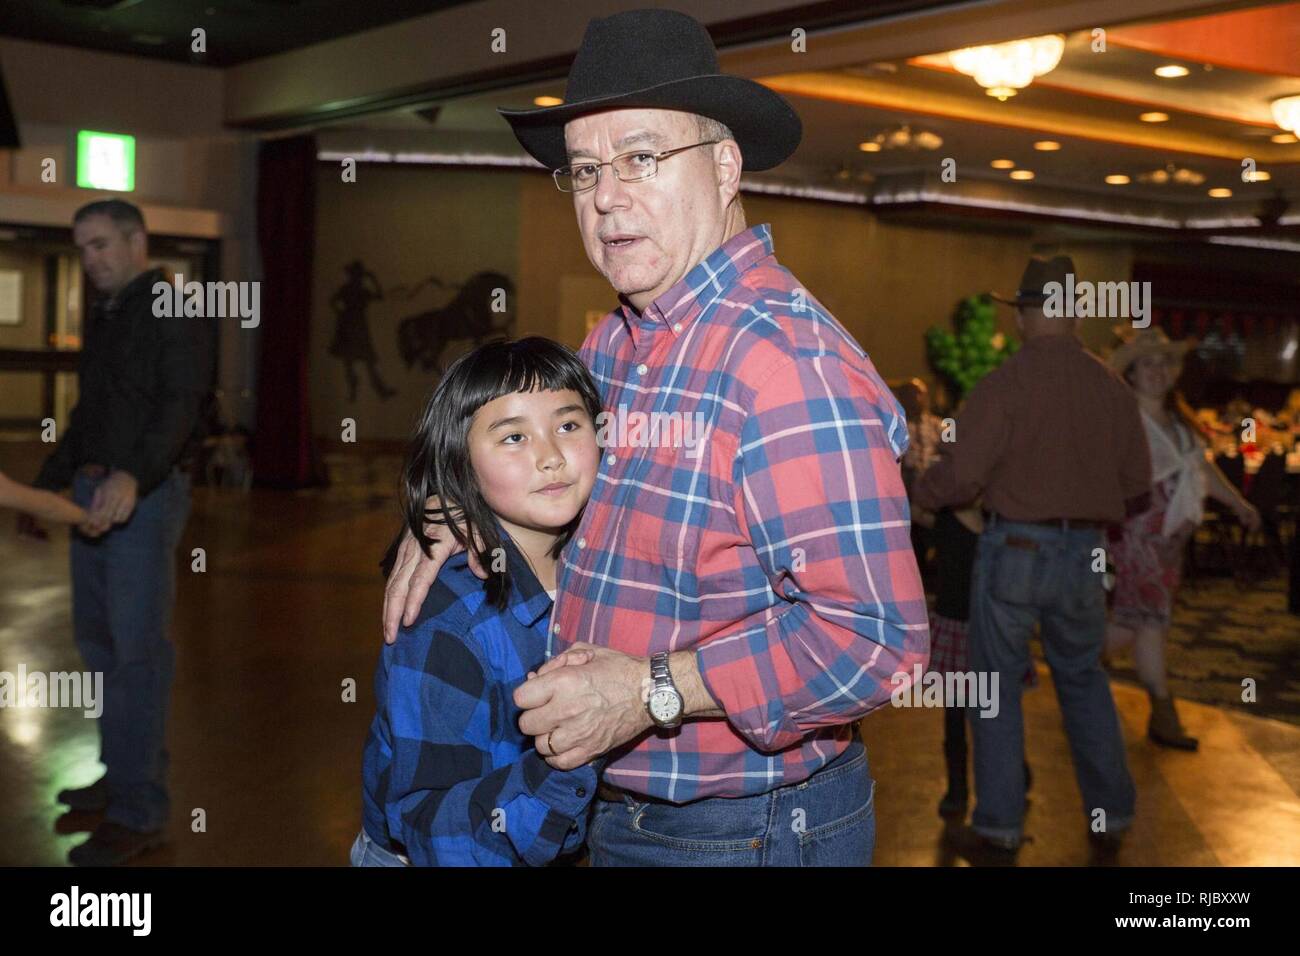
{"points": [[665, 702]]}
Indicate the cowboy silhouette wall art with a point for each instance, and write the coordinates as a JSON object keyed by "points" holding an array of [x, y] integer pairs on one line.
{"points": [[352, 343]]}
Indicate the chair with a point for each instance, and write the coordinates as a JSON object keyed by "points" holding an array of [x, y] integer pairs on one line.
{"points": [[1268, 493], [1233, 468]]}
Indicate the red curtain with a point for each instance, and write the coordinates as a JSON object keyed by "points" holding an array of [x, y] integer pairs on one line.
{"points": [[283, 453]]}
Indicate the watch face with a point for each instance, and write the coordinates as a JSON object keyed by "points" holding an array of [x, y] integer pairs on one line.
{"points": [[665, 706]]}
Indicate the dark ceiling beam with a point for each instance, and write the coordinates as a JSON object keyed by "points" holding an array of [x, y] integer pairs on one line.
{"points": [[413, 64]]}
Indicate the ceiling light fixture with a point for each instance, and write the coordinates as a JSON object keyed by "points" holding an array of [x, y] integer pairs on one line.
{"points": [[1172, 173], [1047, 146], [1286, 113], [1171, 71], [1284, 138], [1117, 179], [1023, 174], [1003, 164], [1154, 117], [1220, 192], [904, 137], [869, 147], [1004, 68]]}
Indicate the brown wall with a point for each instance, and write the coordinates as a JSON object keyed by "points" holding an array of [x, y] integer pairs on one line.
{"points": [[404, 223], [886, 281], [20, 393]]}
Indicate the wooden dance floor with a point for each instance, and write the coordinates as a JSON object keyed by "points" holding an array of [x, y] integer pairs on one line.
{"points": [[288, 609]]}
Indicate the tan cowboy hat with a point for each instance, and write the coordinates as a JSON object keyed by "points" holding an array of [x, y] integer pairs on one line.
{"points": [[1142, 342]]}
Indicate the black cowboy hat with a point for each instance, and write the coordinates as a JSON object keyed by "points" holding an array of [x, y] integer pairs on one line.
{"points": [[659, 59], [1038, 273]]}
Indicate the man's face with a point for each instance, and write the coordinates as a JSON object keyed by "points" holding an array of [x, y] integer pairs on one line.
{"points": [[111, 257], [675, 218]]}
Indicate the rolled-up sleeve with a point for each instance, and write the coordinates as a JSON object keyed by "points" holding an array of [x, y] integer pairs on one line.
{"points": [[819, 495], [964, 465]]}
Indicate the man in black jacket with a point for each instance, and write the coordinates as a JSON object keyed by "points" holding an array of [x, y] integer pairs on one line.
{"points": [[143, 382]]}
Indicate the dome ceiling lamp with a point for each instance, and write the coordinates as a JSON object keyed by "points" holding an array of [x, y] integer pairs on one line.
{"points": [[1286, 113], [902, 137], [1004, 68], [1171, 173]]}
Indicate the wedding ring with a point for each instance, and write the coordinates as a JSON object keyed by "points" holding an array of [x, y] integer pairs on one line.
{"points": [[550, 746]]}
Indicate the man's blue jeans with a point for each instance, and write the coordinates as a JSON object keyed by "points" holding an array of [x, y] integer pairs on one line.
{"points": [[827, 820], [123, 592], [1026, 574]]}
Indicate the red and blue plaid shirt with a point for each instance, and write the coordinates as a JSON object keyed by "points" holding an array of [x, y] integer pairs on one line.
{"points": [[749, 506]]}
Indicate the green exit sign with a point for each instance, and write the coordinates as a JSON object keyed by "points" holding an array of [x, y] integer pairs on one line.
{"points": [[105, 161]]}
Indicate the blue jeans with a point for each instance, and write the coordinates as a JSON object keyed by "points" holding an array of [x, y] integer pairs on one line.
{"points": [[123, 592], [827, 820], [1026, 574], [366, 852]]}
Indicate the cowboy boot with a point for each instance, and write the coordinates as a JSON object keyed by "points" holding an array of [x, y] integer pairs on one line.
{"points": [[954, 802], [1165, 728]]}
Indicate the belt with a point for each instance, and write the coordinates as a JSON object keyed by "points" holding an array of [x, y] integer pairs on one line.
{"points": [[99, 471], [1064, 524], [613, 794]]}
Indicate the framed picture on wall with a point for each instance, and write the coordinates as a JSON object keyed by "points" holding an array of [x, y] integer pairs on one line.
{"points": [[11, 297]]}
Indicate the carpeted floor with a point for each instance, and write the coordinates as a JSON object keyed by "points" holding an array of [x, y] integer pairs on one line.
{"points": [[1222, 635]]}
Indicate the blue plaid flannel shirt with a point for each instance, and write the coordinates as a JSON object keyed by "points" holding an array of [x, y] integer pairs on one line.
{"points": [[449, 780]]}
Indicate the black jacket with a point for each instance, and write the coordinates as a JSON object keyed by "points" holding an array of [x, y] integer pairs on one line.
{"points": [[144, 384]]}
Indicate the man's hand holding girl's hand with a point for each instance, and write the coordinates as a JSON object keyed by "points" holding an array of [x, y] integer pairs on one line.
{"points": [[584, 703]]}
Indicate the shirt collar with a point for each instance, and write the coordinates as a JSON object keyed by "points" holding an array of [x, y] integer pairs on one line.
{"points": [[528, 599], [1047, 341], [144, 281], [677, 307]]}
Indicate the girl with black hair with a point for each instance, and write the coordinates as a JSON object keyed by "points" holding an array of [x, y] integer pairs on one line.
{"points": [[507, 444]]}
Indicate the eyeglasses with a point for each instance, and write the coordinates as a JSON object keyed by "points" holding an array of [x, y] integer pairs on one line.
{"points": [[628, 168]]}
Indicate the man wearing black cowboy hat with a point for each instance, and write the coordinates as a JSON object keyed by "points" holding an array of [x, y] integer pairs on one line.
{"points": [[727, 611], [1053, 440]]}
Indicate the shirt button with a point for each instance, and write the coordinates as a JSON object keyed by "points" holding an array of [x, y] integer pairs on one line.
{"points": [[677, 327], [642, 368], [609, 459], [581, 791], [582, 542], [555, 629]]}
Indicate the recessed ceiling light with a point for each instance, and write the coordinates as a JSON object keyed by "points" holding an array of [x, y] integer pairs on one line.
{"points": [[1118, 179], [1047, 145], [1003, 164], [1219, 192], [869, 147], [1021, 174], [1261, 176], [1154, 117], [1284, 138], [547, 101], [1171, 70]]}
